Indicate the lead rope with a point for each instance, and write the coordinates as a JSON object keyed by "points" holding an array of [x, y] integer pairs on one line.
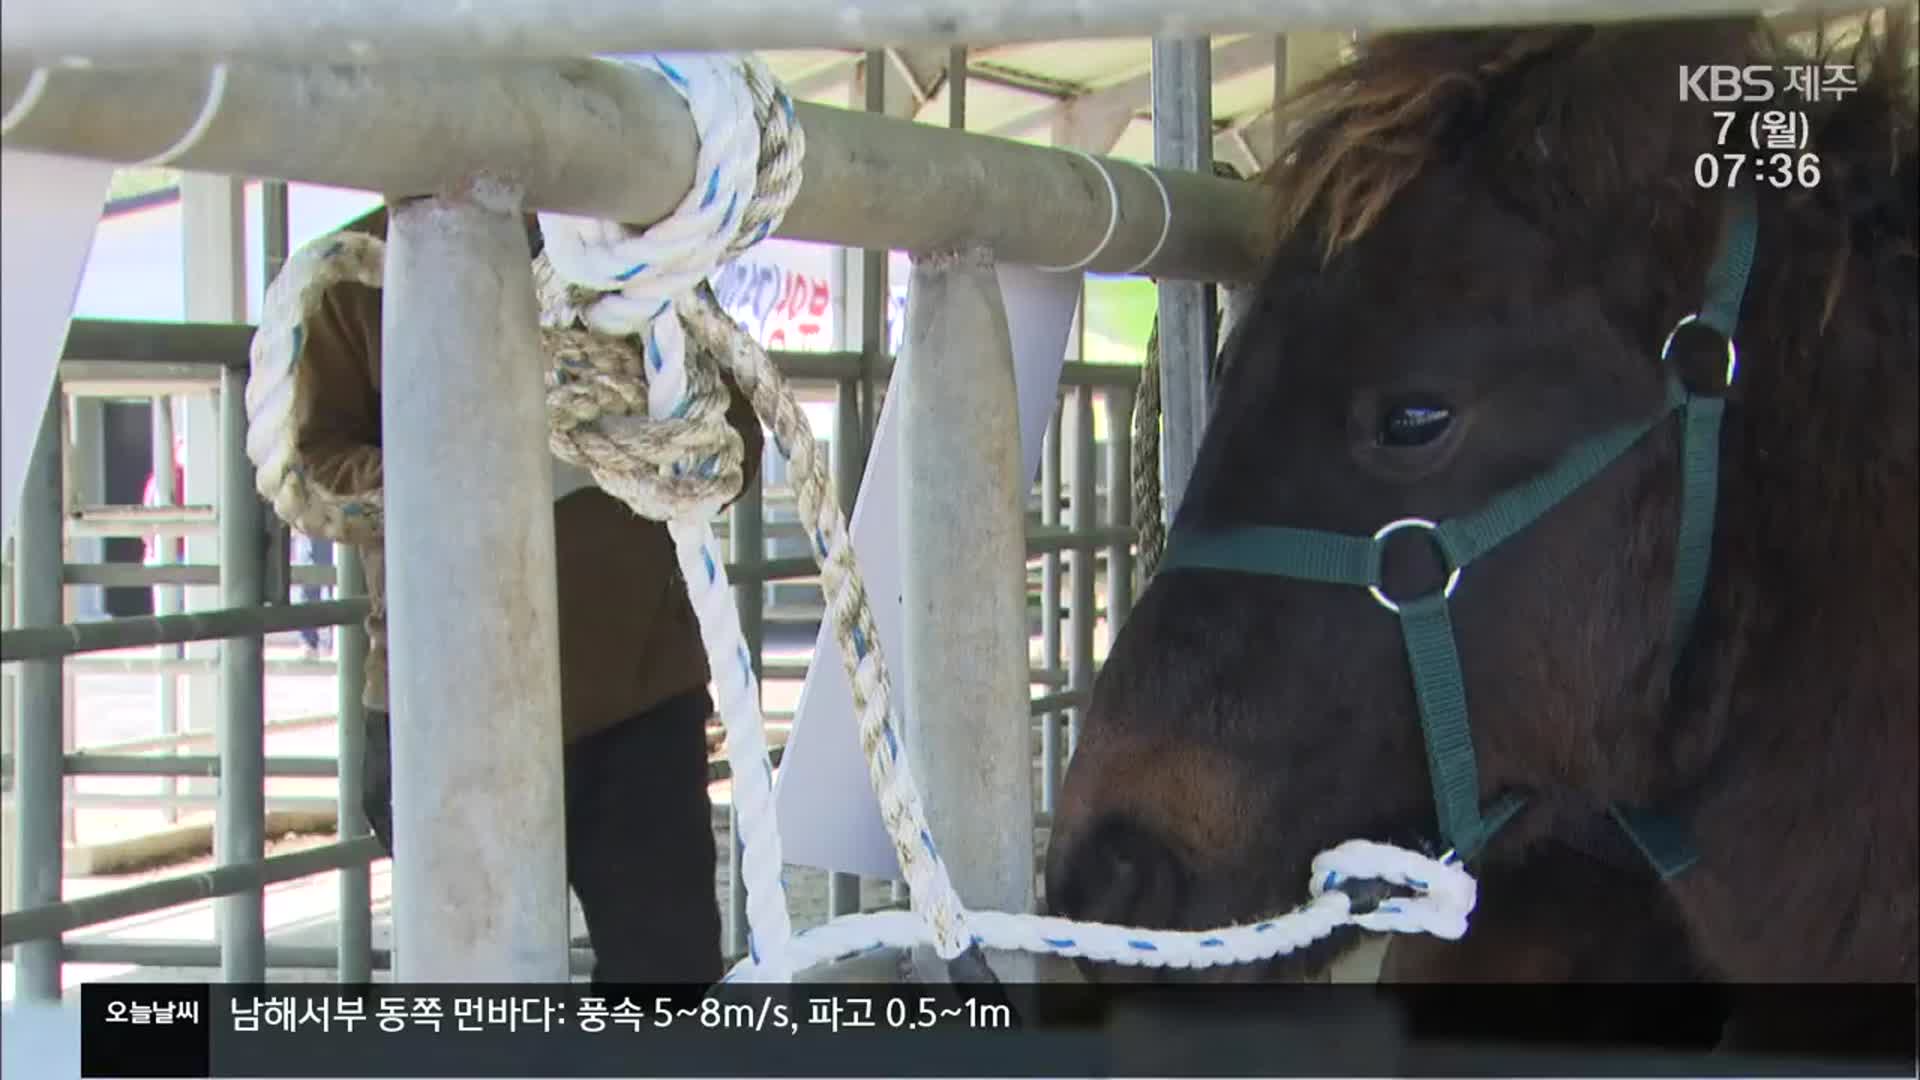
{"points": [[634, 340]]}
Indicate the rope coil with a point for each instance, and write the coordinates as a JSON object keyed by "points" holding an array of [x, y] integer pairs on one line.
{"points": [[634, 341]]}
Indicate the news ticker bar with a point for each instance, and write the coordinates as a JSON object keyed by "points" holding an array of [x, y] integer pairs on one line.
{"points": [[311, 1030]]}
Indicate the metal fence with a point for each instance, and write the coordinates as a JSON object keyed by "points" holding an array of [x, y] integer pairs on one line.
{"points": [[1079, 532]]}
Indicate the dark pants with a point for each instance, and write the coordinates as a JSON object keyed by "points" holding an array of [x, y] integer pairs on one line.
{"points": [[640, 847]]}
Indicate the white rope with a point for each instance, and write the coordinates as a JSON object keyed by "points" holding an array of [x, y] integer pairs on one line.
{"points": [[273, 392], [636, 398]]}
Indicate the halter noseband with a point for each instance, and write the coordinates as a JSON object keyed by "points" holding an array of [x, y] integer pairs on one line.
{"points": [[1343, 559]]}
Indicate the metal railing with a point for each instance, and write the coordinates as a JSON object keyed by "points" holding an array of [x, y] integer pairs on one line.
{"points": [[1069, 530]]}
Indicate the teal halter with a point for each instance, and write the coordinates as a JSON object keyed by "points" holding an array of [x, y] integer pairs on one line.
{"points": [[1342, 559]]}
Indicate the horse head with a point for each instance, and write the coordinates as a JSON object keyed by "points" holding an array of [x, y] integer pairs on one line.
{"points": [[1553, 474]]}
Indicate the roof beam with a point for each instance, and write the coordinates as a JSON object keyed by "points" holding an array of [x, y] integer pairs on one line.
{"points": [[52, 33]]}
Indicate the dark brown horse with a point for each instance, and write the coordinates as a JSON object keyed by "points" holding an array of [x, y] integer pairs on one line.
{"points": [[1485, 239]]}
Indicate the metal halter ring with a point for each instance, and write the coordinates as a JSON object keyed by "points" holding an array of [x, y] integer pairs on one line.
{"points": [[1392, 527], [1733, 351]]}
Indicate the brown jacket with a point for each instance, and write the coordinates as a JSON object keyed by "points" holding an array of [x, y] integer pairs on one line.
{"points": [[628, 636]]}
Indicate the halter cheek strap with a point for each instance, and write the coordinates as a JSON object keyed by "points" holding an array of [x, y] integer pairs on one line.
{"points": [[1425, 623], [1662, 841]]}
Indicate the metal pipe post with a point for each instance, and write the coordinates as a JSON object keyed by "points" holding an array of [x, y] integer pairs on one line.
{"points": [[480, 889], [1081, 608], [963, 529], [275, 238], [356, 884], [241, 828], [39, 766], [849, 458], [1182, 139], [1050, 756], [1119, 509], [167, 599]]}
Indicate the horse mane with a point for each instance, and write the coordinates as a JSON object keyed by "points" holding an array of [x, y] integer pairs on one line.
{"points": [[1583, 124]]}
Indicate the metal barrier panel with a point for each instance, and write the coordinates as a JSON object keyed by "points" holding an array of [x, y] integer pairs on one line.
{"points": [[354, 957]]}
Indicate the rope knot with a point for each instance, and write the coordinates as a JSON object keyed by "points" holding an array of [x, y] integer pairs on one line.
{"points": [[630, 396]]}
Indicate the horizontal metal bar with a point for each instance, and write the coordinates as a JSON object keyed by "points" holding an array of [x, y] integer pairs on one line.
{"points": [[87, 664], [568, 134], [1048, 676], [136, 800], [159, 347], [1046, 539], [364, 31], [94, 530], [175, 740], [816, 366], [1117, 376], [190, 354], [139, 576], [49, 920], [1065, 699], [189, 765], [117, 379], [45, 642], [150, 517]]}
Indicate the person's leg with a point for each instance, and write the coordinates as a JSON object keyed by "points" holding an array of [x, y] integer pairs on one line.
{"points": [[640, 846], [376, 801]]}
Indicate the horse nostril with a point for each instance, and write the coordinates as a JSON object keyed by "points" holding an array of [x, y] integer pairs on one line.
{"points": [[1120, 873]]}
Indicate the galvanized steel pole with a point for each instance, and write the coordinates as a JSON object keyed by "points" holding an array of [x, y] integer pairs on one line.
{"points": [[39, 767], [480, 889], [1050, 756], [962, 513], [356, 886], [568, 135], [240, 833], [1080, 606], [364, 31], [167, 599], [1182, 139], [1119, 509]]}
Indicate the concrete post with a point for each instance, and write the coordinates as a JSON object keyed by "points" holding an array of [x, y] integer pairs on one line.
{"points": [[962, 520], [479, 876]]}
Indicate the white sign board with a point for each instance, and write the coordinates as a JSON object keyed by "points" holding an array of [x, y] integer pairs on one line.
{"points": [[48, 209], [829, 817]]}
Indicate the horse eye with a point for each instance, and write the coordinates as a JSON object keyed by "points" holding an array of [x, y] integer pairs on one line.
{"points": [[1413, 423]]}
